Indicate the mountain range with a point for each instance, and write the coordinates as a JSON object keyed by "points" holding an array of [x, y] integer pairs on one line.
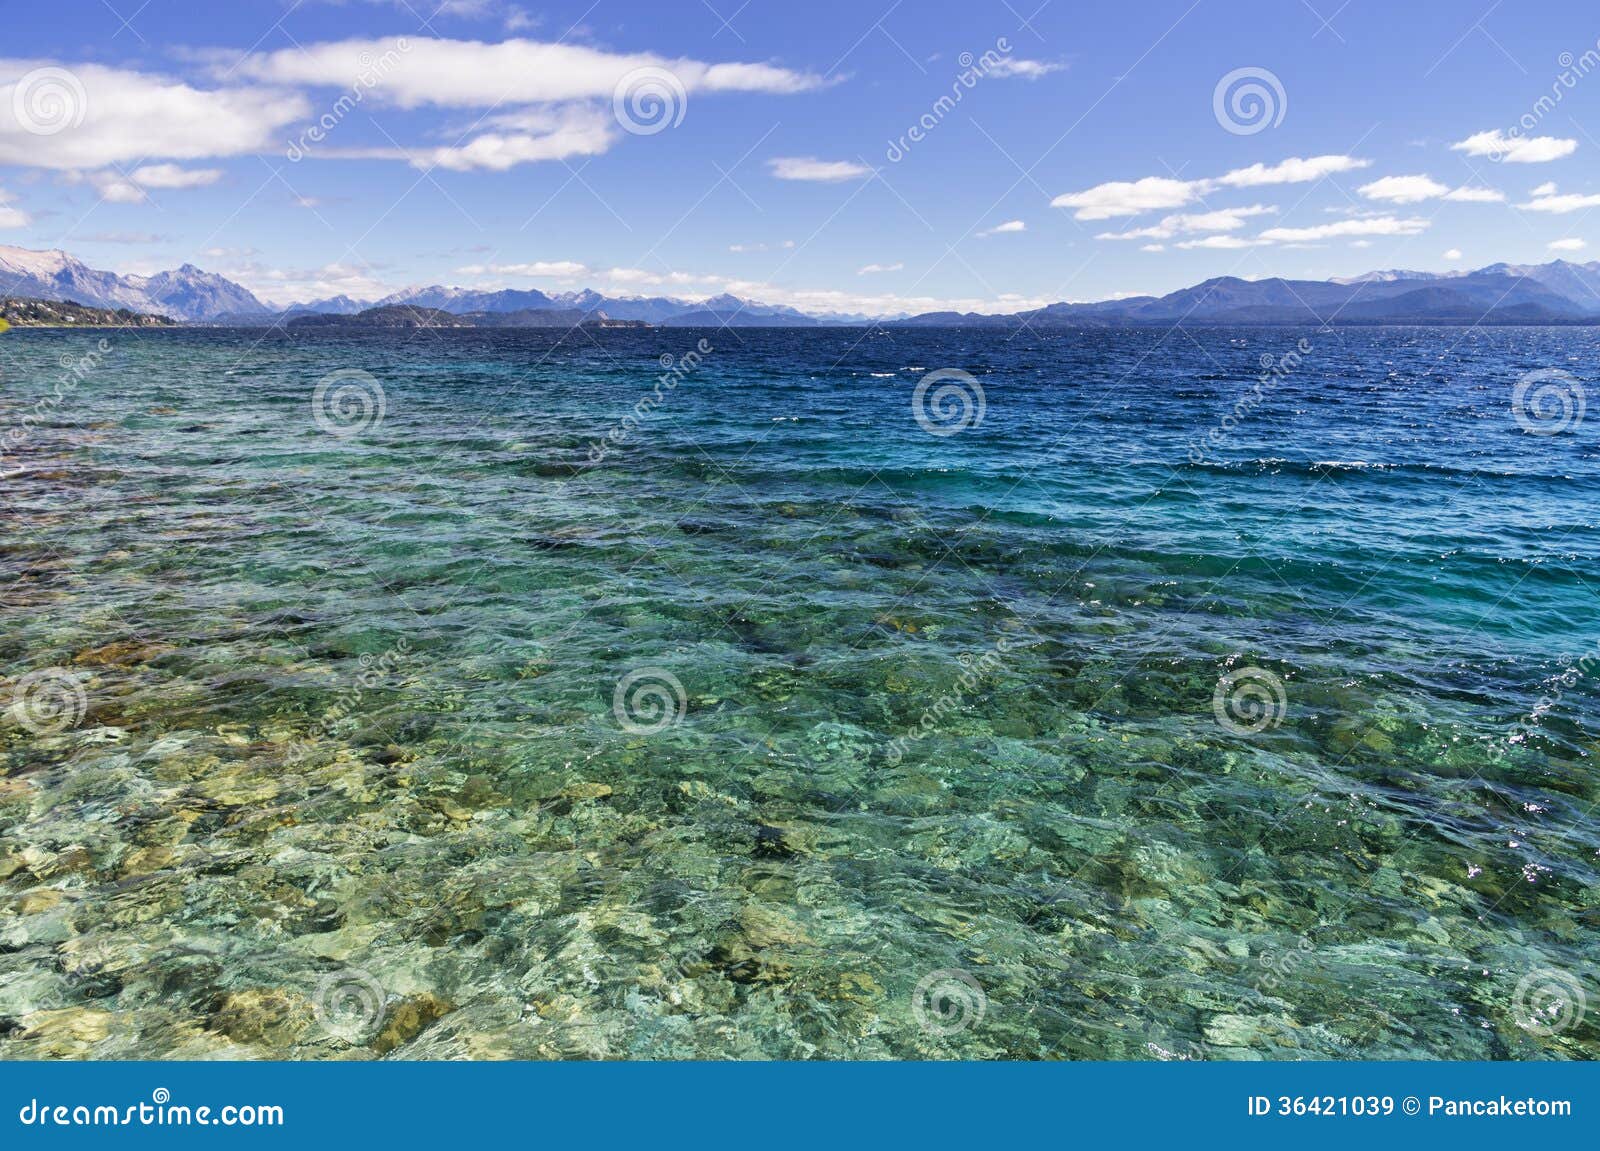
{"points": [[1560, 292]]}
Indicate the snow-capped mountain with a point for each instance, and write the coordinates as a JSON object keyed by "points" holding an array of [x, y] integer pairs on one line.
{"points": [[340, 305], [1557, 292], [185, 294], [55, 275], [192, 294], [1391, 276], [459, 300]]}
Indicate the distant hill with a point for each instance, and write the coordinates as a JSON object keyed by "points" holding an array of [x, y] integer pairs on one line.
{"points": [[1560, 292], [412, 316], [70, 314], [388, 316], [1500, 296]]}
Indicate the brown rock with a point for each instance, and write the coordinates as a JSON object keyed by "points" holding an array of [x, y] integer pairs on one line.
{"points": [[409, 1018]]}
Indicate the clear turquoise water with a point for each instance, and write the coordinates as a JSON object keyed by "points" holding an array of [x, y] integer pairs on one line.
{"points": [[318, 750]]}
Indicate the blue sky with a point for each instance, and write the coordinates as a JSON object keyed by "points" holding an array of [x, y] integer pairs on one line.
{"points": [[1091, 152]]}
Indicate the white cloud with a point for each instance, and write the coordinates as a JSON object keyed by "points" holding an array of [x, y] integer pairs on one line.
{"points": [[133, 116], [538, 269], [1152, 248], [1124, 198], [519, 20], [1415, 189], [558, 100], [1571, 202], [1516, 150], [11, 217], [833, 300], [1130, 198], [1367, 226], [1466, 195], [115, 188], [872, 269], [1453, 254], [1403, 189], [1546, 189], [1025, 69], [1294, 170], [472, 74], [1361, 243], [1569, 244], [172, 176], [282, 286], [810, 168], [1007, 228], [530, 135], [1223, 241], [1221, 220]]}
